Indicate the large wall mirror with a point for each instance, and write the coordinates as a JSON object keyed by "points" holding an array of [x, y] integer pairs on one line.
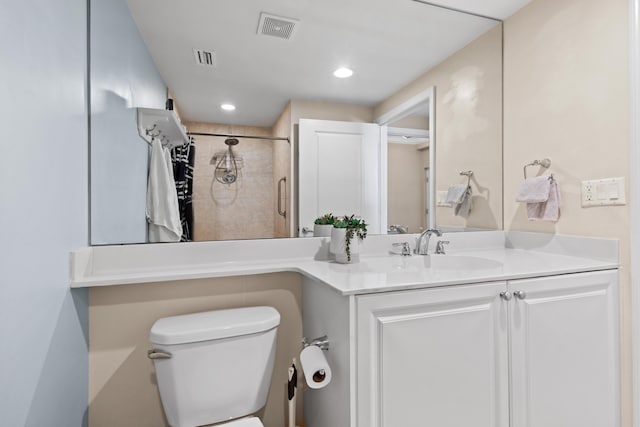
{"points": [[426, 79]]}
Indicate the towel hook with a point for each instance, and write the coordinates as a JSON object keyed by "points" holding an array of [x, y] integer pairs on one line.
{"points": [[545, 163], [468, 174], [149, 132]]}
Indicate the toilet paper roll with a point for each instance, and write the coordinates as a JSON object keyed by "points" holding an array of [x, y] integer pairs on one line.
{"points": [[316, 369]]}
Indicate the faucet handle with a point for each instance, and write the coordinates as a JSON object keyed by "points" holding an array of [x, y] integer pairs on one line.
{"points": [[406, 249], [440, 246]]}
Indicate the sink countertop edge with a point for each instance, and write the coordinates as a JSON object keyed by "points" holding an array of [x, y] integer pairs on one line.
{"points": [[354, 279]]}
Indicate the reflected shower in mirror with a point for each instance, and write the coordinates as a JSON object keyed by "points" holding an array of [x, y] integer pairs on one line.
{"points": [[241, 77]]}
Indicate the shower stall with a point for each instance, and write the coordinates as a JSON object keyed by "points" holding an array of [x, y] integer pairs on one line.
{"points": [[240, 189]]}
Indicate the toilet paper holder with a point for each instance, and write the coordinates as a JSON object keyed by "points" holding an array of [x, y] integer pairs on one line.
{"points": [[322, 342]]}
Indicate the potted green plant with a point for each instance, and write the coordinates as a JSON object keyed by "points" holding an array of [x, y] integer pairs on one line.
{"points": [[322, 225], [346, 235]]}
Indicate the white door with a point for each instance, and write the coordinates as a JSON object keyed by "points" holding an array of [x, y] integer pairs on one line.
{"points": [[435, 357], [342, 170], [565, 357]]}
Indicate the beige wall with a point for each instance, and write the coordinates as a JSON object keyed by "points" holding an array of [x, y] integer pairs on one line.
{"points": [[468, 126], [122, 384], [406, 186], [245, 209], [329, 111], [282, 168], [566, 98]]}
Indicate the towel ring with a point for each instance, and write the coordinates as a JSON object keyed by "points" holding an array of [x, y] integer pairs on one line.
{"points": [[468, 174], [545, 163]]}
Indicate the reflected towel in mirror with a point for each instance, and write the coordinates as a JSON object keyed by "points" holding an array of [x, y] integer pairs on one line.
{"points": [[163, 214], [459, 196]]}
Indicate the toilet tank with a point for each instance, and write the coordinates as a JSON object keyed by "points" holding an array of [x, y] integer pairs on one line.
{"points": [[214, 366]]}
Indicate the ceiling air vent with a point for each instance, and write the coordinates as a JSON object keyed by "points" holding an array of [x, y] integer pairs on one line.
{"points": [[277, 26], [204, 57]]}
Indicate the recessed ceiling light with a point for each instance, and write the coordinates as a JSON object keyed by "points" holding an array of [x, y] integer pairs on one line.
{"points": [[343, 73], [228, 107]]}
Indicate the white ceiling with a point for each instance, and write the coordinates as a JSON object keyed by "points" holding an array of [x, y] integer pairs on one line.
{"points": [[388, 43], [500, 9]]}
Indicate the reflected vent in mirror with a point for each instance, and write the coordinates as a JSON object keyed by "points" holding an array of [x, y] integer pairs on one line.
{"points": [[277, 26], [204, 57]]}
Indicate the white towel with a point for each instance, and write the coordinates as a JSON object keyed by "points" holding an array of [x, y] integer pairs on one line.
{"points": [[542, 197], [163, 214], [534, 190], [464, 207], [459, 196], [548, 210], [455, 194]]}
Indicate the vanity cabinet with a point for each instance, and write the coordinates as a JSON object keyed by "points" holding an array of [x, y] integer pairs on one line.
{"points": [[564, 343], [433, 357], [539, 352]]}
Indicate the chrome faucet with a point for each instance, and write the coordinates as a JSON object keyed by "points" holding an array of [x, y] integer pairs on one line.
{"points": [[422, 244]]}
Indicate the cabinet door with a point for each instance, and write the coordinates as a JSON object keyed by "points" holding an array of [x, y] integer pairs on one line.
{"points": [[564, 351], [435, 357]]}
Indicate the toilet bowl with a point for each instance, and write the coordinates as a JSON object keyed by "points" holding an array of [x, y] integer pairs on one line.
{"points": [[215, 367]]}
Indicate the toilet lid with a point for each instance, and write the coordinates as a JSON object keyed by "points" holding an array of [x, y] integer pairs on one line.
{"points": [[244, 422]]}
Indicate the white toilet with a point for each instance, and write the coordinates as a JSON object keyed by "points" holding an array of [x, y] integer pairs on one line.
{"points": [[215, 366]]}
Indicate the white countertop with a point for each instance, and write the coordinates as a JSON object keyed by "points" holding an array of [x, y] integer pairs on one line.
{"points": [[383, 274], [493, 256]]}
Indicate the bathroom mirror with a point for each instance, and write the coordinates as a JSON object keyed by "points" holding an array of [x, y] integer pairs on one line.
{"points": [[274, 61]]}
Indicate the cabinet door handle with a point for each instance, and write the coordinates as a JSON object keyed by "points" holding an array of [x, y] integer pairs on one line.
{"points": [[520, 294], [505, 295]]}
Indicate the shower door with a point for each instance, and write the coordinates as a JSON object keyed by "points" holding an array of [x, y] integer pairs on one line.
{"points": [[342, 169]]}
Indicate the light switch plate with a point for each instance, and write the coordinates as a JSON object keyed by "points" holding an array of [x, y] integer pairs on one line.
{"points": [[603, 192]]}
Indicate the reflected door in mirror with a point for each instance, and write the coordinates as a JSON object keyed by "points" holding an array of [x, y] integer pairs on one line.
{"points": [[342, 170]]}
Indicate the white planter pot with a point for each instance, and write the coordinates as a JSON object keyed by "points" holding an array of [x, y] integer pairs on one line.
{"points": [[322, 230], [338, 246]]}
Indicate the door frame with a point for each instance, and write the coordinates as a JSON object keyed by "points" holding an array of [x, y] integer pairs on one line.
{"points": [[634, 202], [403, 110]]}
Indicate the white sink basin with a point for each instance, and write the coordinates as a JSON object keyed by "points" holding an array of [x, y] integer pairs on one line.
{"points": [[459, 262], [417, 263]]}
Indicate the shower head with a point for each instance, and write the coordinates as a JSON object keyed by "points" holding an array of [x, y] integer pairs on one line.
{"points": [[227, 167]]}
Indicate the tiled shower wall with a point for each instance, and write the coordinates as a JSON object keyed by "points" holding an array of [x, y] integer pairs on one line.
{"points": [[245, 209]]}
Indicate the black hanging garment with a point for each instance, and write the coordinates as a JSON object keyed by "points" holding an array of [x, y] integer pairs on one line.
{"points": [[183, 158]]}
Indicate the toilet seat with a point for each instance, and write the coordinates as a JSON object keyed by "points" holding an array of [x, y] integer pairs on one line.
{"points": [[243, 422]]}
